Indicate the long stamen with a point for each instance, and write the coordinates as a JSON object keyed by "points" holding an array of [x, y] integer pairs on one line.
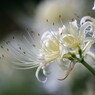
{"points": [[71, 66], [60, 18]]}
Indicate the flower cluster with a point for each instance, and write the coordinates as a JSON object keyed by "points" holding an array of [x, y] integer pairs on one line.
{"points": [[67, 46]]}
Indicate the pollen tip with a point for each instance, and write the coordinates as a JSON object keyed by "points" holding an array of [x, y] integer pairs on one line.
{"points": [[7, 49], [34, 45], [13, 37], [20, 48], [72, 19], [46, 20], [1, 46], [53, 23], [59, 16], [38, 34], [24, 52], [2, 55], [32, 32]]}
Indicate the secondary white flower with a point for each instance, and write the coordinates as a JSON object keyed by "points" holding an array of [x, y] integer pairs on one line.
{"points": [[76, 37], [89, 25], [93, 6], [76, 42]]}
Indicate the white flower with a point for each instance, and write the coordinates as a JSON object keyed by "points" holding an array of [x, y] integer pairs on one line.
{"points": [[76, 37], [93, 6], [76, 42], [61, 45], [67, 46]]}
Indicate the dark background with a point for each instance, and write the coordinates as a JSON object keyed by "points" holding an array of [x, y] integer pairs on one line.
{"points": [[9, 8]]}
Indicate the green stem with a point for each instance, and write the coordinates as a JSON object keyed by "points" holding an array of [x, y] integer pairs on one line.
{"points": [[82, 61], [88, 67]]}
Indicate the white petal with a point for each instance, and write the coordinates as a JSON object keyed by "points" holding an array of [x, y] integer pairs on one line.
{"points": [[73, 27], [87, 18], [88, 46], [37, 75], [70, 68], [63, 63], [46, 34], [74, 23], [62, 30], [84, 27]]}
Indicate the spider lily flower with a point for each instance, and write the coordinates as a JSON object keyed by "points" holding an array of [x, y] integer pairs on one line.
{"points": [[76, 43], [61, 45], [77, 38], [67, 46]]}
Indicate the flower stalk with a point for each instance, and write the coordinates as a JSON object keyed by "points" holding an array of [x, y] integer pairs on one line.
{"points": [[83, 62], [88, 66]]}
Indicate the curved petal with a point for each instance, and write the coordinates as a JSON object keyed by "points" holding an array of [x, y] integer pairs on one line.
{"points": [[63, 63], [88, 46], [74, 28], [62, 30], [37, 74], [85, 29], [71, 66], [46, 34], [86, 19]]}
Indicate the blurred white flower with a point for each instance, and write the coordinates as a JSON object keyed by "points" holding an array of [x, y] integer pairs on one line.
{"points": [[93, 6]]}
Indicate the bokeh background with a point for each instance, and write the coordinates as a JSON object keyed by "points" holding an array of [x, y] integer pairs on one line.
{"points": [[17, 16]]}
